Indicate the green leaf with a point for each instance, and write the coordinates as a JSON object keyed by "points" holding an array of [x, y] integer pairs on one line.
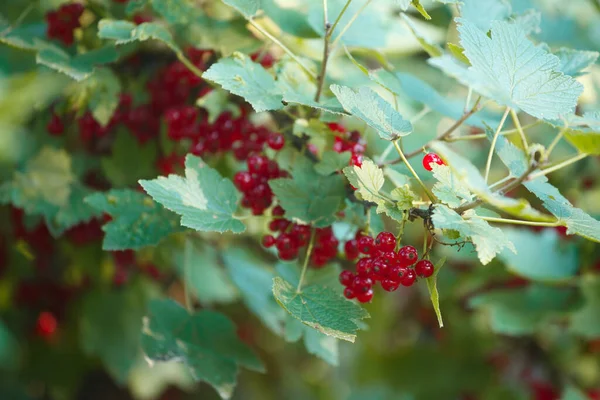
{"points": [[217, 102], [332, 161], [433, 291], [481, 13], [573, 62], [319, 344], [204, 276], [458, 52], [110, 325], [524, 311], [135, 6], [380, 115], [368, 180], [449, 189], [309, 196], [573, 393], [127, 32], [206, 342], [137, 221], [417, 4], [104, 88], [176, 11], [585, 322], [129, 160], [9, 347], [241, 76], [540, 255], [584, 140], [488, 241], [247, 7], [205, 200], [290, 19], [77, 67], [433, 49], [510, 69], [321, 308], [404, 197], [26, 37]]}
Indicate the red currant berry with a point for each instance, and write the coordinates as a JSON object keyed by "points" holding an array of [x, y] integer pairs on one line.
{"points": [[243, 181], [349, 293], [390, 258], [396, 273], [424, 268], [288, 255], [408, 278], [346, 278], [278, 211], [336, 127], [385, 241], [365, 297], [55, 125], [379, 269], [407, 256], [364, 266], [361, 284], [351, 249], [366, 244], [276, 141], [302, 234], [46, 325], [286, 243], [389, 285], [268, 241], [431, 158], [258, 164]]}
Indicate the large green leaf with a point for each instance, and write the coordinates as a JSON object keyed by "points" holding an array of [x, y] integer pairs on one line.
{"points": [[204, 199], [137, 221], [77, 67], [127, 32], [573, 62], [449, 188], [27, 37], [321, 308], [177, 11], [380, 115], [586, 321], [309, 196], [481, 13], [206, 342], [332, 161], [488, 241]]}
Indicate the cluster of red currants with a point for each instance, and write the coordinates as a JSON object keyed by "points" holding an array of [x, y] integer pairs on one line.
{"points": [[293, 237], [63, 22], [381, 264], [254, 183], [348, 141]]}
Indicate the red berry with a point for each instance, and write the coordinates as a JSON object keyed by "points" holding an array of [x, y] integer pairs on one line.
{"points": [[389, 285], [390, 258], [366, 244], [364, 267], [268, 241], [424, 268], [385, 241], [396, 273], [243, 181], [407, 256], [301, 233], [278, 211], [365, 297], [286, 243], [346, 278], [336, 127], [289, 255], [431, 158], [46, 324], [357, 160], [408, 278], [351, 249], [361, 284], [276, 141], [55, 125], [379, 269], [258, 164], [349, 293]]}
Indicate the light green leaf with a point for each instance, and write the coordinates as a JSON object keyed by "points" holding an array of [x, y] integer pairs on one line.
{"points": [[308, 196], [573, 62], [585, 322], [217, 102], [135, 6], [321, 308], [128, 32], [540, 255], [488, 241], [206, 342], [448, 188], [380, 115], [176, 11], [529, 20], [433, 291], [129, 160], [481, 13], [204, 200], [77, 67], [510, 69], [459, 53], [433, 49], [104, 88], [404, 197], [247, 7], [332, 161], [137, 221], [368, 180], [241, 76], [26, 37], [584, 140], [321, 345], [417, 4]]}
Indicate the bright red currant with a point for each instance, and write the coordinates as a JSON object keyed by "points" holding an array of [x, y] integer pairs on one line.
{"points": [[268, 241], [366, 244], [276, 141], [46, 324], [408, 278], [424, 268], [407, 256], [365, 297], [431, 158], [346, 278], [349, 293], [351, 249], [385, 241], [389, 285]]}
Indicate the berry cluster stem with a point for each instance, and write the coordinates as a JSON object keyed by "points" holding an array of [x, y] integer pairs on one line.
{"points": [[309, 250], [488, 164], [413, 172]]}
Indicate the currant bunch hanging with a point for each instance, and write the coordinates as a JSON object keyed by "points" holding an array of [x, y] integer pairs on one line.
{"points": [[63, 21]]}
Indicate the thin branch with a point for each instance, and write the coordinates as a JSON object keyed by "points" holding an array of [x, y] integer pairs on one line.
{"points": [[561, 165], [488, 164], [554, 142], [339, 17], [413, 172], [349, 24], [521, 222], [283, 47], [309, 250], [189, 65], [322, 74], [484, 135], [515, 118]]}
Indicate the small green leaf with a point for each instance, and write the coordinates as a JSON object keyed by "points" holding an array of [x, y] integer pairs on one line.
{"points": [[449, 189], [247, 7], [177, 11], [433, 291], [585, 322], [488, 241], [9, 347], [104, 88], [321, 308], [204, 199], [137, 221], [206, 342], [217, 102], [404, 197], [80, 66], [417, 4], [309, 196], [26, 37], [584, 140], [127, 32], [241, 76], [573, 62], [458, 52], [368, 180], [433, 49], [129, 160], [380, 115], [332, 161]]}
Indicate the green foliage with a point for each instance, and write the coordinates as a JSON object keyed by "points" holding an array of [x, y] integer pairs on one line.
{"points": [[586, 321], [104, 88], [573, 62], [247, 7], [129, 161], [204, 199], [431, 48], [127, 32], [433, 290], [332, 161], [78, 67], [205, 342], [136, 222]]}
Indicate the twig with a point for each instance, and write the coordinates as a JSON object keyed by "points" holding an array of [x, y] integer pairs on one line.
{"points": [[559, 166], [515, 118], [554, 142], [321, 78], [311, 243], [484, 135], [520, 222], [339, 17], [413, 172], [349, 24], [488, 164]]}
